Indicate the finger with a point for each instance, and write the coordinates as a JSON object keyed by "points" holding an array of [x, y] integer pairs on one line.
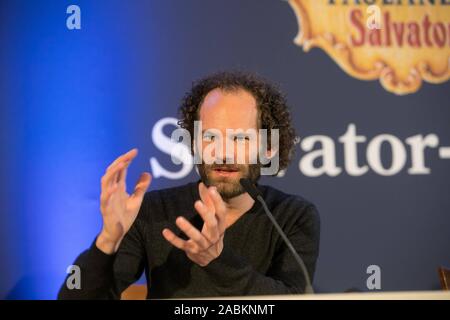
{"points": [[174, 240], [211, 231], [122, 174], [219, 204], [204, 212], [203, 190], [192, 232], [106, 196], [104, 199], [128, 156], [107, 180], [194, 252], [142, 185]]}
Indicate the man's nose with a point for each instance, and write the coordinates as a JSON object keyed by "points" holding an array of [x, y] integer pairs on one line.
{"points": [[226, 154]]}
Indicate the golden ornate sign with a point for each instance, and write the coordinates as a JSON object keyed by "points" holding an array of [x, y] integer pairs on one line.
{"points": [[400, 42]]}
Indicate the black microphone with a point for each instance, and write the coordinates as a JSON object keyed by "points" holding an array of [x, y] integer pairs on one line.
{"points": [[256, 195]]}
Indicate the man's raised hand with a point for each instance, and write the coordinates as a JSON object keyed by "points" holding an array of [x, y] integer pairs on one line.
{"points": [[206, 245], [119, 209]]}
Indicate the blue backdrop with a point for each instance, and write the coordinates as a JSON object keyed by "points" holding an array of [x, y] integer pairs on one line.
{"points": [[73, 100]]}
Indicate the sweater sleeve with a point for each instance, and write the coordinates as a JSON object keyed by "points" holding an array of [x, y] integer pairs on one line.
{"points": [[234, 275], [105, 276]]}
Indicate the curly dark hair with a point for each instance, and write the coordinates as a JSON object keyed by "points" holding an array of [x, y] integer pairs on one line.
{"points": [[273, 111]]}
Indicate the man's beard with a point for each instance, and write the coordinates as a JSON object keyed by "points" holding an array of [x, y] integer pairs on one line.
{"points": [[229, 187]]}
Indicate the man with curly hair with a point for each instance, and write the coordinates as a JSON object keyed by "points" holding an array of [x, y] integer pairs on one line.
{"points": [[209, 237]]}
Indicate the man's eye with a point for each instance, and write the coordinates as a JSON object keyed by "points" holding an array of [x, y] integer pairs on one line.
{"points": [[241, 138], [208, 137]]}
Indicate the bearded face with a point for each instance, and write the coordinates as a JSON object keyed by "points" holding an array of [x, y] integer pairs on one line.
{"points": [[225, 177], [222, 111]]}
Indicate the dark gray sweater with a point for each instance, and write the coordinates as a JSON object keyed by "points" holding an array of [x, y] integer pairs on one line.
{"points": [[254, 259]]}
